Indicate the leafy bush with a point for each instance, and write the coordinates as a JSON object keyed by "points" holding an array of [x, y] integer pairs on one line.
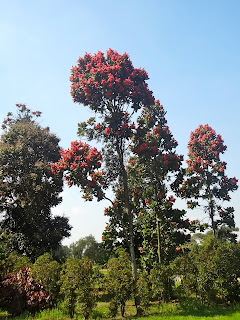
{"points": [[78, 284], [211, 271], [119, 282], [143, 291], [20, 292], [15, 262], [47, 271], [161, 278]]}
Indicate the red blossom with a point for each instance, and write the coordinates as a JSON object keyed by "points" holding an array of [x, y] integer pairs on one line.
{"points": [[116, 79], [107, 131]]}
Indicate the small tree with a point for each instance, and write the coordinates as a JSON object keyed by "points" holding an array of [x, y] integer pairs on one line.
{"points": [[206, 178], [70, 282], [119, 282], [78, 284], [47, 271]]}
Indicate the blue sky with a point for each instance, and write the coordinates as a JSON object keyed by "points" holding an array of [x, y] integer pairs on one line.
{"points": [[190, 49]]}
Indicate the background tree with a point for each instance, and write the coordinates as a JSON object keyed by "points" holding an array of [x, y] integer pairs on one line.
{"points": [[206, 178], [28, 187], [88, 247]]}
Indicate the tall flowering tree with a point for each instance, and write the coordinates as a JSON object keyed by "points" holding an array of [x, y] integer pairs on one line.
{"points": [[155, 171], [206, 178], [112, 88]]}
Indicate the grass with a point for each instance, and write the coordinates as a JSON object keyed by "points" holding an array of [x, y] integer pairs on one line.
{"points": [[188, 310]]}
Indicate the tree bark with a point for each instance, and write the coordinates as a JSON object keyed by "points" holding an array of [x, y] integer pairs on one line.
{"points": [[129, 214]]}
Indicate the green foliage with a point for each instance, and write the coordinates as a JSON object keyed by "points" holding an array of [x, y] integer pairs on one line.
{"points": [[89, 247], [79, 285], [161, 278], [29, 189], [47, 271], [119, 282], [61, 254], [143, 291], [211, 271], [15, 261]]}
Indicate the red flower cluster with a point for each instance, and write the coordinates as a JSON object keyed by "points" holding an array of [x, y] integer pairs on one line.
{"points": [[171, 201], [80, 156], [204, 150], [80, 164], [97, 79]]}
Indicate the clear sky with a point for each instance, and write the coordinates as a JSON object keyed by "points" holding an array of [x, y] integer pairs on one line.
{"points": [[190, 49]]}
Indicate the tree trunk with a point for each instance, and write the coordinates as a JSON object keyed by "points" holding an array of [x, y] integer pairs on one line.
{"points": [[130, 226], [158, 240]]}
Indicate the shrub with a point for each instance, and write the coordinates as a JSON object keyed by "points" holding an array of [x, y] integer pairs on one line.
{"points": [[78, 284], [143, 292], [161, 278], [119, 282], [47, 271], [20, 292], [211, 271], [15, 262]]}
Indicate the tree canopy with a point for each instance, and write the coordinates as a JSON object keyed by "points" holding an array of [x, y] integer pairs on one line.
{"points": [[28, 187]]}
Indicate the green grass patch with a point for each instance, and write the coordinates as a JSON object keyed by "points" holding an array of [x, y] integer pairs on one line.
{"points": [[186, 310]]}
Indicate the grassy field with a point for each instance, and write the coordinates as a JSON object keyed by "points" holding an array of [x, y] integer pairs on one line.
{"points": [[171, 311]]}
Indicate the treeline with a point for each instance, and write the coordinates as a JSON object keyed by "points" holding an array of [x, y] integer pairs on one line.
{"points": [[208, 271]]}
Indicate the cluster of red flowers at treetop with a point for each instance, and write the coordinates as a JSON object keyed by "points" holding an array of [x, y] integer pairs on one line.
{"points": [[204, 150], [97, 80], [80, 164]]}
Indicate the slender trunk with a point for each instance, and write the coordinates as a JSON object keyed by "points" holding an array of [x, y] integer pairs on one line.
{"points": [[211, 214], [158, 240], [211, 208], [157, 221], [130, 225]]}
